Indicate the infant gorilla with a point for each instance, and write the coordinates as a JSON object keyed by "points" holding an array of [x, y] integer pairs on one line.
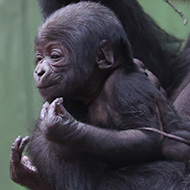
{"points": [[101, 112]]}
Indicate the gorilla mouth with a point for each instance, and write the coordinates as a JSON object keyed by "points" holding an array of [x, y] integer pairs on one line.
{"points": [[48, 86]]}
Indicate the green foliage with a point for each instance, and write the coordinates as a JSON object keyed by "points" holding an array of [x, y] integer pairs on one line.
{"points": [[18, 98], [20, 102], [167, 18]]}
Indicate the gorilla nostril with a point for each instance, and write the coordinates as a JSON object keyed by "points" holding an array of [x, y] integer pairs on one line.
{"points": [[40, 73]]}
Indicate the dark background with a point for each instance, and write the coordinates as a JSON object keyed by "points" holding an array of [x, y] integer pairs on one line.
{"points": [[20, 102]]}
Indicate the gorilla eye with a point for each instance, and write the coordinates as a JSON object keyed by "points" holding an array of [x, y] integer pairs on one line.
{"points": [[55, 56], [38, 58]]}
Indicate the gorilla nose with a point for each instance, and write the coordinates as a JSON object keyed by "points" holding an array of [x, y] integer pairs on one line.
{"points": [[40, 73], [41, 70]]}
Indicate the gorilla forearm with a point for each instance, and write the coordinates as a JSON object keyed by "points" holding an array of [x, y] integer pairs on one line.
{"points": [[127, 145]]}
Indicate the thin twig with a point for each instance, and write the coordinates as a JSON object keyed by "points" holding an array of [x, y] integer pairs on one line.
{"points": [[177, 10]]}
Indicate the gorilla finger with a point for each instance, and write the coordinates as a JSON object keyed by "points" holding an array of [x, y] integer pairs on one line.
{"points": [[16, 144], [28, 164], [44, 110], [153, 79], [60, 109], [52, 108], [139, 63], [15, 155], [24, 142]]}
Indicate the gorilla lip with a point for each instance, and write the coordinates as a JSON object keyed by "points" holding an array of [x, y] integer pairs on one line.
{"points": [[45, 87]]}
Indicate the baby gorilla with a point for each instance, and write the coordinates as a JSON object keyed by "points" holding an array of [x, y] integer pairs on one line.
{"points": [[83, 56]]}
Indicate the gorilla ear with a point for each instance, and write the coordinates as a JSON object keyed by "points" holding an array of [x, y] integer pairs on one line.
{"points": [[104, 56]]}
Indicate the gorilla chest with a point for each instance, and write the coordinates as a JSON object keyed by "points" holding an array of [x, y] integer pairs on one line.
{"points": [[101, 114]]}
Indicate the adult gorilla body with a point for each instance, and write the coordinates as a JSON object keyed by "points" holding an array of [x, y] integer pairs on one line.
{"points": [[79, 58]]}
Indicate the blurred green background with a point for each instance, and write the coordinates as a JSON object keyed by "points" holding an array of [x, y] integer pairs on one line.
{"points": [[20, 102]]}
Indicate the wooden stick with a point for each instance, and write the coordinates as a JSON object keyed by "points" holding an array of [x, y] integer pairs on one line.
{"points": [[177, 10]]}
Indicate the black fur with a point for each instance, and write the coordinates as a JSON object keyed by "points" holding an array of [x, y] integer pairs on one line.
{"points": [[125, 103], [157, 49]]}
